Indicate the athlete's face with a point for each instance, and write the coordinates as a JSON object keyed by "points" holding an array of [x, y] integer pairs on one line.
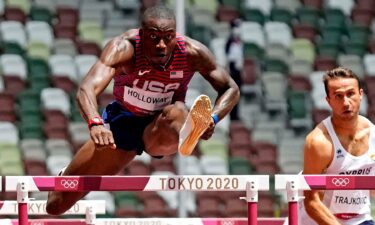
{"points": [[159, 39], [344, 97]]}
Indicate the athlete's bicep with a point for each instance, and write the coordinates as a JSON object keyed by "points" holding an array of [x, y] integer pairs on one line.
{"points": [[98, 77], [317, 157], [118, 51]]}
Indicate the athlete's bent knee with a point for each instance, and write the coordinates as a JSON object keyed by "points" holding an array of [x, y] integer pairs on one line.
{"points": [[176, 110], [181, 107]]}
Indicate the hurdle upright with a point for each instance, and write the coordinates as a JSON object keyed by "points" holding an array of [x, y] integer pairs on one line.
{"points": [[293, 183], [251, 184]]}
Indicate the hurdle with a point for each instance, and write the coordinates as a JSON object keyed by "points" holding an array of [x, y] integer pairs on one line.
{"points": [[293, 183], [38, 207], [148, 221], [89, 208], [251, 184]]}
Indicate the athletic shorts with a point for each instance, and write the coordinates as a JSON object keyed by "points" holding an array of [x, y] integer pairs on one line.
{"points": [[127, 129]]}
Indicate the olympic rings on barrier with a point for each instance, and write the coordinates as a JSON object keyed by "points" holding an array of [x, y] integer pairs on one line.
{"points": [[69, 184], [340, 182]]}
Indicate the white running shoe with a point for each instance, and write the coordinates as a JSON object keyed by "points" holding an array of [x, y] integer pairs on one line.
{"points": [[62, 171]]}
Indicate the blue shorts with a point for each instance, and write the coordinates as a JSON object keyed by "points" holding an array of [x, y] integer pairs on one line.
{"points": [[127, 128], [368, 222]]}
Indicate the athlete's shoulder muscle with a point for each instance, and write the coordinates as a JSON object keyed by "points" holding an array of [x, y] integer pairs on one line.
{"points": [[199, 56], [120, 49], [317, 150]]}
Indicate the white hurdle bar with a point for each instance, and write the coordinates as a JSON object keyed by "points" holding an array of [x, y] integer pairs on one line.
{"points": [[293, 183], [249, 183]]}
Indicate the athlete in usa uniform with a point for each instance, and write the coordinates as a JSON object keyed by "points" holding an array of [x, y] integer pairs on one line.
{"points": [[152, 88], [343, 143], [151, 68]]}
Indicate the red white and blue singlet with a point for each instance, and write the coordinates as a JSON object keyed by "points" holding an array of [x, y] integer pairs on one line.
{"points": [[146, 90]]}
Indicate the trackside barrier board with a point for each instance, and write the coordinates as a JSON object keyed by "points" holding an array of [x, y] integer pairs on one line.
{"points": [[39, 207], [137, 183], [326, 182]]}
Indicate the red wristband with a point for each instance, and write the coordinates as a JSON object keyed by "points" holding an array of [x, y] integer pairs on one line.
{"points": [[95, 121]]}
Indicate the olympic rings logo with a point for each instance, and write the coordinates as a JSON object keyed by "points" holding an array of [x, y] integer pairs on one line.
{"points": [[340, 182], [69, 184]]}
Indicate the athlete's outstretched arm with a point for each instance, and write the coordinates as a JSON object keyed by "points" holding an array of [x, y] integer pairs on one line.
{"points": [[117, 51], [202, 60], [317, 156]]}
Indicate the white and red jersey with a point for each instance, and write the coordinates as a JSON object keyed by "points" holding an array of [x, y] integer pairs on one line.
{"points": [[146, 90], [349, 207]]}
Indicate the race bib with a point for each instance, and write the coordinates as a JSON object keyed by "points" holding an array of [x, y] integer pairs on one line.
{"points": [[349, 204], [150, 101]]}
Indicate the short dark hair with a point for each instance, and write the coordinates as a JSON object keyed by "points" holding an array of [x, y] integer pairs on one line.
{"points": [[158, 12], [339, 72]]}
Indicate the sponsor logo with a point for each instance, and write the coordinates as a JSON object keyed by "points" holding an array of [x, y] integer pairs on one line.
{"points": [[339, 154], [141, 73], [340, 182]]}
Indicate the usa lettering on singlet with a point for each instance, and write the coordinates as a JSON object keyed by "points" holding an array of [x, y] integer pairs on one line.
{"points": [[146, 90], [349, 207]]}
